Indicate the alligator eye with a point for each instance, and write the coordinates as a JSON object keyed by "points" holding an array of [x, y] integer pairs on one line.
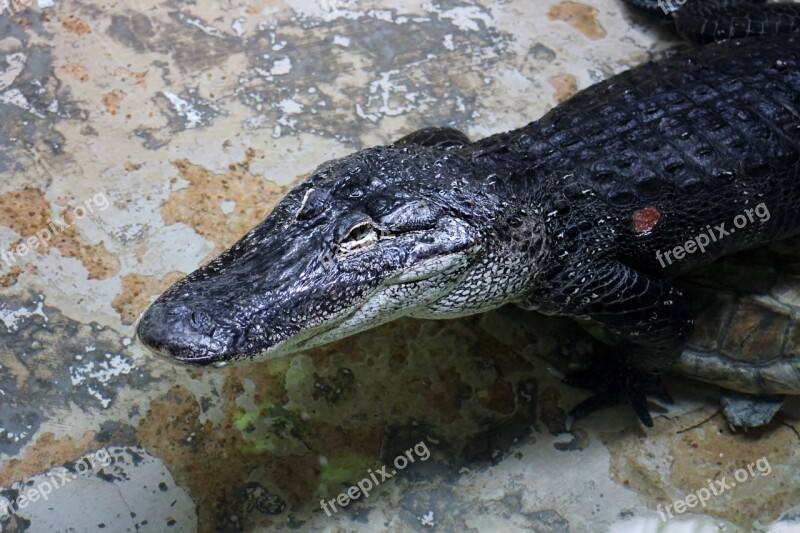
{"points": [[412, 216], [360, 236]]}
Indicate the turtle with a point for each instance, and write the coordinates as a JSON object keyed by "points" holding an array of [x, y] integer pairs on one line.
{"points": [[747, 330], [746, 338]]}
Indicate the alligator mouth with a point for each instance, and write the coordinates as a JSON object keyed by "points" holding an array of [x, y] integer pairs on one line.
{"points": [[303, 341], [361, 236], [365, 261]]}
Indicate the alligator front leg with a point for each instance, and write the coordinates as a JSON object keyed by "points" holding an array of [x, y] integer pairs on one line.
{"points": [[644, 315]]}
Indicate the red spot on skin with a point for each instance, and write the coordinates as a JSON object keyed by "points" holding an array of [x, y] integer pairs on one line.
{"points": [[645, 219]]}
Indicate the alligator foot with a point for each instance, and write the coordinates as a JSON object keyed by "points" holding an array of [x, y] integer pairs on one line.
{"points": [[615, 383]]}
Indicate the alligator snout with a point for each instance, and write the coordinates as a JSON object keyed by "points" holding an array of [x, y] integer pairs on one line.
{"points": [[180, 332], [346, 250]]}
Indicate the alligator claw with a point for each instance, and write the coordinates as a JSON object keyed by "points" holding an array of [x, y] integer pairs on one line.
{"points": [[616, 383]]}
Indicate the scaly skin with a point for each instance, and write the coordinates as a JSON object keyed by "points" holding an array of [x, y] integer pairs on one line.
{"points": [[565, 215]]}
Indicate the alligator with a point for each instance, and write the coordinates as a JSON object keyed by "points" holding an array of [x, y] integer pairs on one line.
{"points": [[588, 212]]}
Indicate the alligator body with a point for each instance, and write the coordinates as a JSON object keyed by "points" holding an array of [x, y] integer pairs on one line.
{"points": [[586, 212]]}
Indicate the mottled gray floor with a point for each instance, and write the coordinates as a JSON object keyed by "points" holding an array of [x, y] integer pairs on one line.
{"points": [[148, 136]]}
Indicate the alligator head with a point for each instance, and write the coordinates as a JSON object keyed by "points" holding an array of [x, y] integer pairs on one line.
{"points": [[382, 233]]}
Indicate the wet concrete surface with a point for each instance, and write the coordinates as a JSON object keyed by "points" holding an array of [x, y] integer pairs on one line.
{"points": [[138, 140]]}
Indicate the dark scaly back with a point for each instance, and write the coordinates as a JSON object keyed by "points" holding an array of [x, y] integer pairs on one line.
{"points": [[706, 21], [700, 139]]}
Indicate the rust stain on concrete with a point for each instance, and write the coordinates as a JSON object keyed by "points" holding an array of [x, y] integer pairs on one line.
{"points": [[112, 100], [565, 85], [27, 212], [221, 207], [75, 71], [713, 450], [45, 453], [10, 278], [76, 26], [138, 291], [136, 78], [580, 16], [673, 463]]}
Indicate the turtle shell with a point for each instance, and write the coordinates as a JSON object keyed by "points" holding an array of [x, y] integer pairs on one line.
{"points": [[747, 321]]}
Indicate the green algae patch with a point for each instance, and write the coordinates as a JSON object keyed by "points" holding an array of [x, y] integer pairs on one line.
{"points": [[297, 375], [346, 468], [270, 428], [245, 421]]}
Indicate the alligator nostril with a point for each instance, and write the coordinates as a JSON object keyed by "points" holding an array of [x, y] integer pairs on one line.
{"points": [[180, 332]]}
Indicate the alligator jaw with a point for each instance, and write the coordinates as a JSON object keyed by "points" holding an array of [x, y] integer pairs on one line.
{"points": [[293, 287]]}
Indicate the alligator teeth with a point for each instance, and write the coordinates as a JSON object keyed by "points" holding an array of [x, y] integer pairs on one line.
{"points": [[359, 237]]}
